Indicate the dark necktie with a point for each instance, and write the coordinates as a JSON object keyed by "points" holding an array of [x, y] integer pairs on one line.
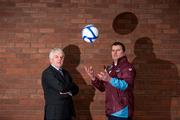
{"points": [[61, 72]]}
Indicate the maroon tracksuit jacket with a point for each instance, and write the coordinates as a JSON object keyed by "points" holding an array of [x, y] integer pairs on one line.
{"points": [[115, 98]]}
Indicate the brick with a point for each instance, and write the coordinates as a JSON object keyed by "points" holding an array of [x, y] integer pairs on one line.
{"points": [[46, 30], [23, 35], [170, 31], [23, 4], [37, 5], [29, 50], [7, 55], [78, 21], [38, 45], [22, 45], [44, 50], [154, 21]]}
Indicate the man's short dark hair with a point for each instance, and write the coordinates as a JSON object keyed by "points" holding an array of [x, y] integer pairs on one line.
{"points": [[121, 44]]}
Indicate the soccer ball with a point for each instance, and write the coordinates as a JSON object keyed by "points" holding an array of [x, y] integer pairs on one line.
{"points": [[89, 33]]}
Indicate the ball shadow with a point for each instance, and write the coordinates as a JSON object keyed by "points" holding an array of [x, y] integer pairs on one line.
{"points": [[125, 23]]}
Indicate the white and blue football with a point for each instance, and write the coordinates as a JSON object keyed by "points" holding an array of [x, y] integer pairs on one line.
{"points": [[89, 33]]}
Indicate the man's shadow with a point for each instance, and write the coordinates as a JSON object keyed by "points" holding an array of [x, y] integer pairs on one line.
{"points": [[86, 93], [155, 84]]}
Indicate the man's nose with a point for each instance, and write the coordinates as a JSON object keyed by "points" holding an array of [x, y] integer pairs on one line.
{"points": [[115, 52]]}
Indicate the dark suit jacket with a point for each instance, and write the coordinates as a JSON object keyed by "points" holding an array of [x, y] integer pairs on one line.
{"points": [[58, 106]]}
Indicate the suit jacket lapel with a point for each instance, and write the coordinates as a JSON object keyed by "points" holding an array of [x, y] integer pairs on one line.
{"points": [[66, 77], [58, 74]]}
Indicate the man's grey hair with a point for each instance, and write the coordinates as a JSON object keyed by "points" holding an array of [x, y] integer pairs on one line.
{"points": [[51, 53]]}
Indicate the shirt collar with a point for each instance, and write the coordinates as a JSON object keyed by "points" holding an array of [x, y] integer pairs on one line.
{"points": [[121, 60], [56, 67]]}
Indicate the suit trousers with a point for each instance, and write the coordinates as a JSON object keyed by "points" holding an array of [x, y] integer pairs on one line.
{"points": [[55, 112]]}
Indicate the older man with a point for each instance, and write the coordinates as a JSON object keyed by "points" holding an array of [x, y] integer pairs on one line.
{"points": [[58, 88]]}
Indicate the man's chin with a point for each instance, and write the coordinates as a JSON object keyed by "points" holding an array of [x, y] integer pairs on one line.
{"points": [[115, 58], [58, 66]]}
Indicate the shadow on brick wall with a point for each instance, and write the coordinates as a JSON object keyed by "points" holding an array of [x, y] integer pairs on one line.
{"points": [[85, 96], [6, 118], [125, 23], [155, 85]]}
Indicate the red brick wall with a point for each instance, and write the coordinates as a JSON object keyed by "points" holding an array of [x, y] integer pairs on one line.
{"points": [[30, 28]]}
